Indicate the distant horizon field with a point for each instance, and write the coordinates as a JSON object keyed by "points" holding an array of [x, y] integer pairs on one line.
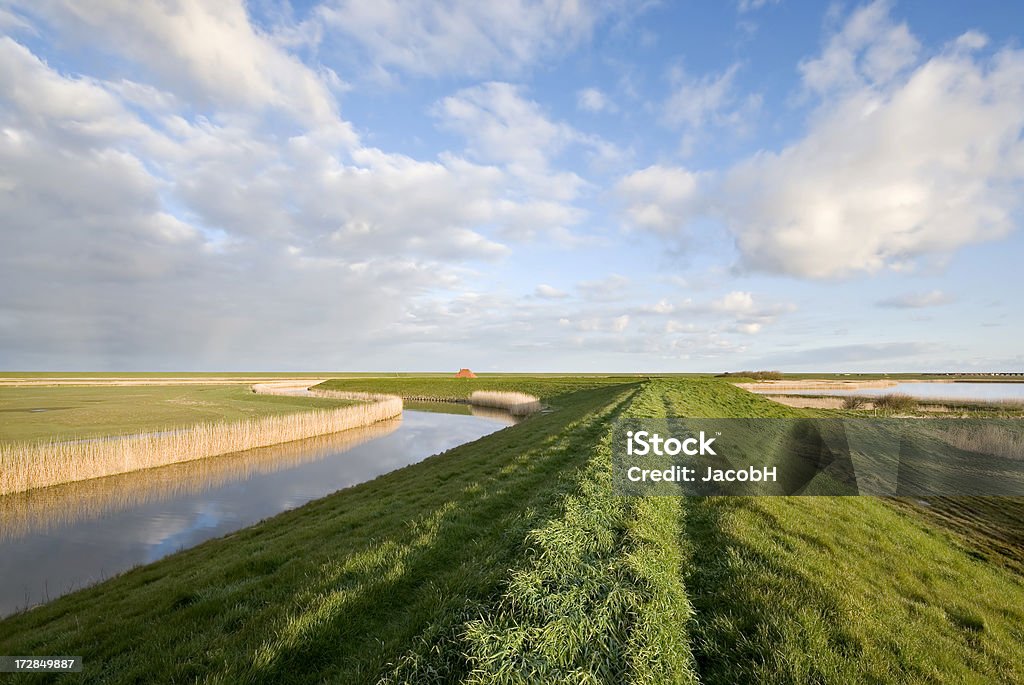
{"points": [[254, 375], [70, 412]]}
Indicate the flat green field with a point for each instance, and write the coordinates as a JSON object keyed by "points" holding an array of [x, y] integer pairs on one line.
{"points": [[67, 412], [511, 560]]}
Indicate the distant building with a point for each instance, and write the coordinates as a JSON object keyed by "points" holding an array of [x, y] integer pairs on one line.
{"points": [[465, 373]]}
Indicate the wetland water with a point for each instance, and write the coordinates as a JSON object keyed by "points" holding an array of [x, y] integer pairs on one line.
{"points": [[923, 391], [59, 539]]}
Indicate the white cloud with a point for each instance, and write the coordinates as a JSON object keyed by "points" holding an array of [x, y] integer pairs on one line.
{"points": [[736, 302], [594, 100], [471, 38], [660, 198], [503, 126], [610, 287], [870, 50], [118, 226], [886, 174], [901, 159], [696, 100], [751, 5], [916, 300], [550, 292], [712, 101], [208, 53]]}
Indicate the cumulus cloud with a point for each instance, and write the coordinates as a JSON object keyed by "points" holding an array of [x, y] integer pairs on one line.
{"points": [[505, 128], [869, 50], [889, 172], [209, 53], [660, 198], [902, 158], [137, 233]]}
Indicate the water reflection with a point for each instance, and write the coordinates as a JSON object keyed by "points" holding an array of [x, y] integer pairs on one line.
{"points": [[466, 409], [43, 509], [59, 539]]}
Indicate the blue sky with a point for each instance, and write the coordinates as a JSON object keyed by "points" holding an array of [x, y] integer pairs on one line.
{"points": [[511, 186]]}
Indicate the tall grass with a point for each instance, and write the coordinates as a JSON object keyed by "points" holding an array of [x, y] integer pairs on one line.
{"points": [[40, 464], [987, 439], [895, 402], [854, 402], [516, 403]]}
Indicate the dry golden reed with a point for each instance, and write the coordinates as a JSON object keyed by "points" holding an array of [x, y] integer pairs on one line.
{"points": [[516, 403], [43, 509], [1001, 441], [34, 465]]}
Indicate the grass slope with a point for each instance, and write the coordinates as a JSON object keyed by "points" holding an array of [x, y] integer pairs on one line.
{"points": [[339, 589], [75, 411], [837, 590], [510, 560]]}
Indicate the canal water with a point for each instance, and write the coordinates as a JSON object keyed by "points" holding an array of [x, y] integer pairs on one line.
{"points": [[59, 539]]}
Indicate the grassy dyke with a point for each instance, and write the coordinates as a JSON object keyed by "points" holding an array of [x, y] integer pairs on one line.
{"points": [[341, 588], [71, 412], [509, 559], [836, 590], [450, 389], [597, 598]]}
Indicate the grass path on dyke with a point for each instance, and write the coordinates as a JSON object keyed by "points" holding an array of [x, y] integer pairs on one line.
{"points": [[597, 598], [838, 590]]}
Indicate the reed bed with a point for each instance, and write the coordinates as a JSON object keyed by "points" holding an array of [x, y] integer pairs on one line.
{"points": [[1000, 441], [354, 396], [34, 465], [516, 403], [43, 509], [904, 402], [962, 403]]}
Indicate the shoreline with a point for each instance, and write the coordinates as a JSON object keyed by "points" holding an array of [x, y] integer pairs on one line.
{"points": [[28, 466]]}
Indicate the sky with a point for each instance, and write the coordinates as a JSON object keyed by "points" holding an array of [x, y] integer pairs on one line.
{"points": [[511, 185]]}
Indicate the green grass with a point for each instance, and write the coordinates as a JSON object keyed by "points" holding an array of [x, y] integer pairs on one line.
{"points": [[448, 388], [340, 589], [510, 559], [91, 411], [837, 590]]}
